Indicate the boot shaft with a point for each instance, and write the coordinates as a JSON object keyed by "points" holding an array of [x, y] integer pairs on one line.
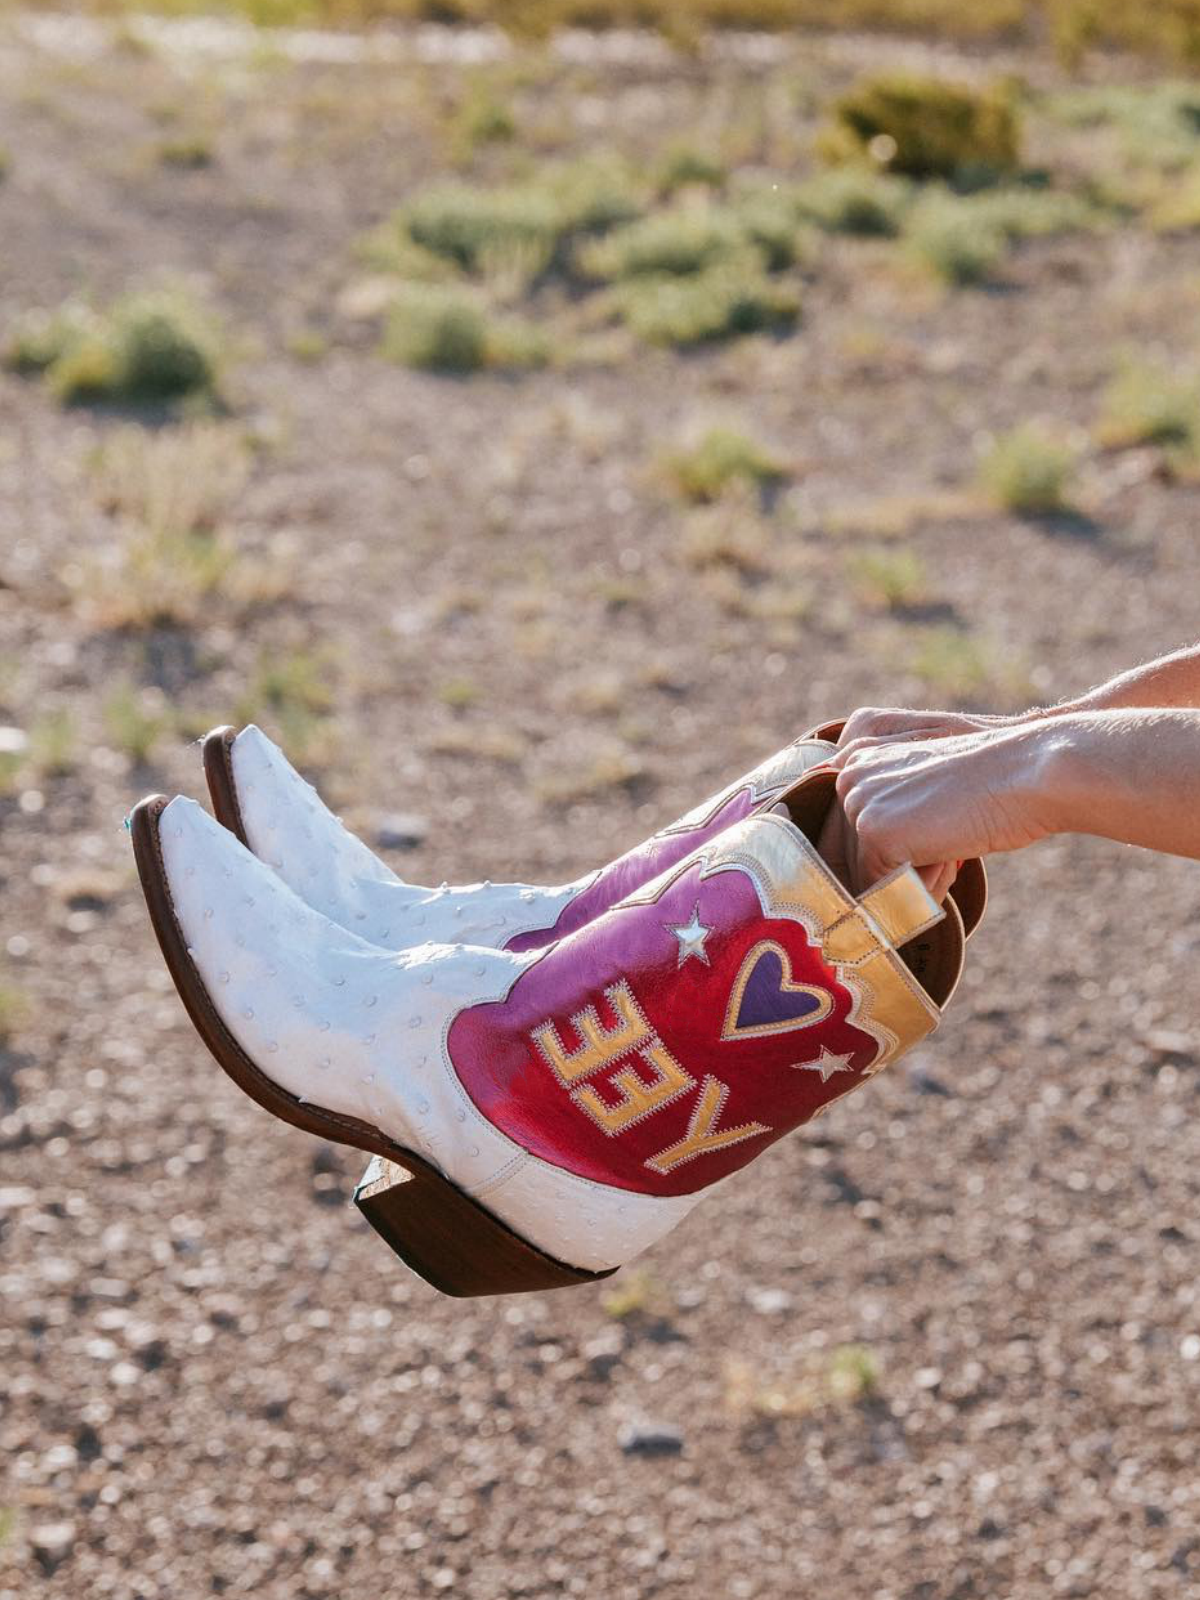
{"points": [[670, 1041]]}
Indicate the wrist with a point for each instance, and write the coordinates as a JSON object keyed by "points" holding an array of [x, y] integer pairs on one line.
{"points": [[1056, 773]]}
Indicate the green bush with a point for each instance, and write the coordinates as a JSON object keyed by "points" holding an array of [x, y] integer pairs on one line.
{"points": [[1028, 470], [1149, 404], [923, 128], [1027, 213], [725, 301], [684, 240], [463, 223], [445, 329], [721, 457], [851, 200], [960, 246], [772, 230], [475, 227], [684, 165], [678, 242], [152, 347]]}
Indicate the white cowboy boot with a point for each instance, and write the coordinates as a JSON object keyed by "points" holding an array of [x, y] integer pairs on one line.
{"points": [[545, 1116], [259, 796]]}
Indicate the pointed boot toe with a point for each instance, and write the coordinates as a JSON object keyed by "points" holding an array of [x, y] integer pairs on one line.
{"points": [[341, 1040], [260, 797]]}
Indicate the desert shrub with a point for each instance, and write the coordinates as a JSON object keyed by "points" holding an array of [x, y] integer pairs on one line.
{"points": [[851, 200], [1028, 470], [168, 493], [772, 229], [135, 720], [442, 328], [41, 338], [684, 165], [152, 346], [1149, 404], [1177, 210], [725, 301], [593, 193], [1157, 124], [951, 663], [959, 245], [719, 458], [679, 241], [482, 230], [893, 579], [464, 223], [729, 536], [683, 240], [484, 120], [923, 128], [1027, 213], [188, 152]]}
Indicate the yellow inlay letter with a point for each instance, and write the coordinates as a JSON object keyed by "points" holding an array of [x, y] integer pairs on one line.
{"points": [[638, 1098], [702, 1134], [601, 1046]]}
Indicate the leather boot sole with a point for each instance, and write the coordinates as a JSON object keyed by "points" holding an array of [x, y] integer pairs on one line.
{"points": [[216, 748], [441, 1233]]}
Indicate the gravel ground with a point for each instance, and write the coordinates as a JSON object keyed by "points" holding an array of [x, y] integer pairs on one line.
{"points": [[215, 1380]]}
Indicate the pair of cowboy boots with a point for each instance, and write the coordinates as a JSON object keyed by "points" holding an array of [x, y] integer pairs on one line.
{"points": [[549, 1078]]}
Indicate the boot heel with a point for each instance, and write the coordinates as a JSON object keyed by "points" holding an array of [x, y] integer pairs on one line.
{"points": [[450, 1240]]}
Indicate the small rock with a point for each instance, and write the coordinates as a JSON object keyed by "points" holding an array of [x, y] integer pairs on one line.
{"points": [[650, 1439], [1166, 1042], [769, 1302], [923, 1081], [52, 1543], [13, 741], [402, 831]]}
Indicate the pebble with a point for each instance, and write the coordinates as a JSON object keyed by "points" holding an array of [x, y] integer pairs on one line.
{"points": [[650, 1439], [52, 1543], [403, 830]]}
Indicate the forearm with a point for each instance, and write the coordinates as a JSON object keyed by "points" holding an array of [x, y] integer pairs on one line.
{"points": [[1172, 680], [1131, 775]]}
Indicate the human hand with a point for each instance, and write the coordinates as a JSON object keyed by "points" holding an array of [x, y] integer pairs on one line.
{"points": [[900, 723], [935, 802]]}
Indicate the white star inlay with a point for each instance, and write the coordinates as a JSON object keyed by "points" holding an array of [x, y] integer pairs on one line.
{"points": [[826, 1064], [691, 936]]}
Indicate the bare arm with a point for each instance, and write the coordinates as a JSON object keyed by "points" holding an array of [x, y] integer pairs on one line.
{"points": [[1129, 775], [1172, 680]]}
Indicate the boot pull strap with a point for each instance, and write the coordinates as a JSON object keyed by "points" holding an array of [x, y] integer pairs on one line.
{"points": [[969, 890], [890, 912]]}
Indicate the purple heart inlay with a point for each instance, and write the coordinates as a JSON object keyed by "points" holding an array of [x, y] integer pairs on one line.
{"points": [[765, 998]]}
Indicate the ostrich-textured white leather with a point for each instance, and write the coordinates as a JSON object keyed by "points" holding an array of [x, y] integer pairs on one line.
{"points": [[291, 828], [352, 1028]]}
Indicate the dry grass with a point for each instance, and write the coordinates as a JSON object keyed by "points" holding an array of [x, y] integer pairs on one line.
{"points": [[847, 1376], [168, 495]]}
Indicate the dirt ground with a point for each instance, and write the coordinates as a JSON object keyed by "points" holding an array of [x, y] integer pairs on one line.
{"points": [[213, 1377]]}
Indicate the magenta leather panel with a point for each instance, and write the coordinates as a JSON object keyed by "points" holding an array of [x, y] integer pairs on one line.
{"points": [[754, 1025], [636, 867]]}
